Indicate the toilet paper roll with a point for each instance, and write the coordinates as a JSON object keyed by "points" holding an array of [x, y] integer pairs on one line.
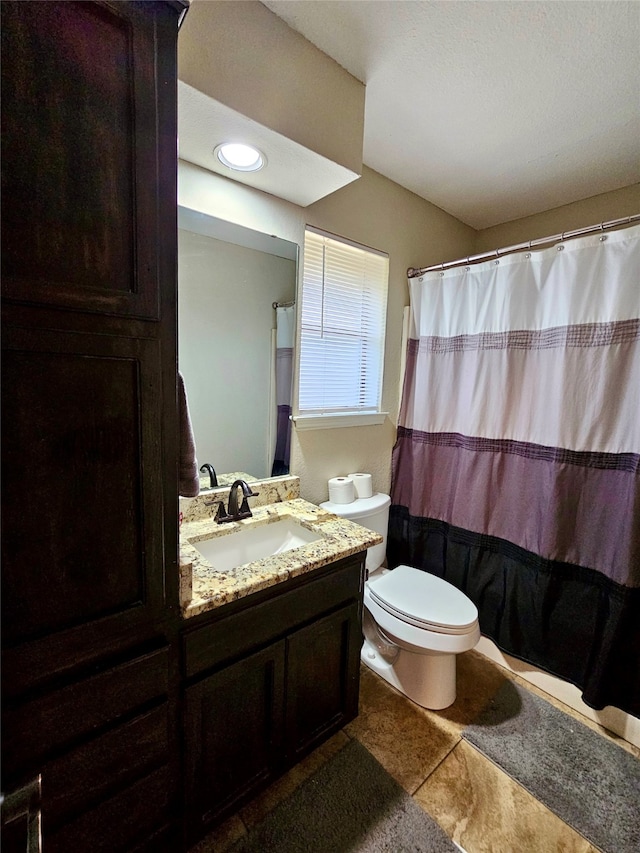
{"points": [[341, 490], [363, 484]]}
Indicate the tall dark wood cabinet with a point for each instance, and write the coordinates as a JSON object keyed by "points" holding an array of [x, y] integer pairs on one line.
{"points": [[89, 427]]}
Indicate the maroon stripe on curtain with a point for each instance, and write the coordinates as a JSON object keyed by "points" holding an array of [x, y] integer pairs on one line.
{"points": [[590, 459], [580, 335], [578, 508]]}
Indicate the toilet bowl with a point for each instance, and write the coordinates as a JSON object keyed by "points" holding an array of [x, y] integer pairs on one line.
{"points": [[414, 623]]}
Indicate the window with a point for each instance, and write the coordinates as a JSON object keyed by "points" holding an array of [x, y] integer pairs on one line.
{"points": [[343, 318]]}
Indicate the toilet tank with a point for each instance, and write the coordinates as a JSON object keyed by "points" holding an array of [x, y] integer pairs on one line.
{"points": [[372, 513]]}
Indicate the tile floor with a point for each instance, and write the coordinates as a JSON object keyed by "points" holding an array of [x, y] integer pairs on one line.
{"points": [[481, 808]]}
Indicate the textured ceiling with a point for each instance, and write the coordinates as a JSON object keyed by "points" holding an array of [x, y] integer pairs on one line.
{"points": [[490, 110]]}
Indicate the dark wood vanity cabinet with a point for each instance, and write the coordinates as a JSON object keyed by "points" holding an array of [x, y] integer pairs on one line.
{"points": [[90, 621], [268, 678]]}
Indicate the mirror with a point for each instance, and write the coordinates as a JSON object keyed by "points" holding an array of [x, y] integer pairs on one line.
{"points": [[229, 278]]}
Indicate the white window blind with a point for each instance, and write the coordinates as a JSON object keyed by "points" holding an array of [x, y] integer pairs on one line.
{"points": [[343, 320]]}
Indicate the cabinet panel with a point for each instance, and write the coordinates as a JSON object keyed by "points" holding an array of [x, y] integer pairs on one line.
{"points": [[79, 199], [84, 776], [322, 678], [32, 731], [234, 724], [81, 507], [118, 823]]}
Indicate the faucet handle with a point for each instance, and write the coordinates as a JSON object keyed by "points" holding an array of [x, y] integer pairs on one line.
{"points": [[221, 513], [244, 506]]}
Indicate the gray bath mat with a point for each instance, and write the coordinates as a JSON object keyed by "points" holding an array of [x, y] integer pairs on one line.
{"points": [[350, 804], [589, 782]]}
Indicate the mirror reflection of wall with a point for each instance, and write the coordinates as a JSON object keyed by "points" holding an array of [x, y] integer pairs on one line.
{"points": [[228, 279]]}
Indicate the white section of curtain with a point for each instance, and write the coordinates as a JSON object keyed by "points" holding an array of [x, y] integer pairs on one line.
{"points": [[283, 370], [576, 388], [592, 279], [285, 326]]}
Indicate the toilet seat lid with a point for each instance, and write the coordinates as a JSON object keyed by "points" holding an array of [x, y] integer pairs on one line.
{"points": [[425, 600]]}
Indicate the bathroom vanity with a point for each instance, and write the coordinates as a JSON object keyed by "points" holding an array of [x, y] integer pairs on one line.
{"points": [[270, 655]]}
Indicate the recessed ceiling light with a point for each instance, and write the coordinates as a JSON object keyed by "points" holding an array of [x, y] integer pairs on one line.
{"points": [[242, 158]]}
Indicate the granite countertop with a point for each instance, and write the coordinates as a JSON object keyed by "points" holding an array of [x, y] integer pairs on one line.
{"points": [[203, 587]]}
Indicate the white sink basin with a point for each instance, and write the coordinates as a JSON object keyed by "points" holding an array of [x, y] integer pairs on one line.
{"points": [[254, 543]]}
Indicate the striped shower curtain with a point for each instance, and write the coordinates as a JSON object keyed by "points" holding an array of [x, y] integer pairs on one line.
{"points": [[285, 323], [516, 468]]}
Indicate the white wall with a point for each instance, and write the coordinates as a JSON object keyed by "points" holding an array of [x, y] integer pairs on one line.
{"points": [[373, 211], [225, 314]]}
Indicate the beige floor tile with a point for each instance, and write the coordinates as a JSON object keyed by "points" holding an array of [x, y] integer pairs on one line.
{"points": [[403, 737], [260, 807], [485, 811], [222, 837]]}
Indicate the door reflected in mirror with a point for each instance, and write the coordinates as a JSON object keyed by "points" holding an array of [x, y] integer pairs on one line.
{"points": [[235, 349]]}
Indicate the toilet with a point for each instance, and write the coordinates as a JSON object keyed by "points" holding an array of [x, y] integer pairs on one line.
{"points": [[414, 623]]}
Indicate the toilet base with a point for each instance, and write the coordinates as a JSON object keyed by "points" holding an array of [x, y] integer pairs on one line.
{"points": [[427, 679]]}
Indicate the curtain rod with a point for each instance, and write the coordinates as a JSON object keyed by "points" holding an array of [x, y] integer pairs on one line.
{"points": [[530, 244], [283, 304]]}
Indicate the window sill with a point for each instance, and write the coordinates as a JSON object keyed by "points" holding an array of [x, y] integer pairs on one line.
{"points": [[333, 421]]}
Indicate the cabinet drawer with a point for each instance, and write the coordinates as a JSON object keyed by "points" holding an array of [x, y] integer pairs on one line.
{"points": [[36, 729], [79, 779], [118, 823], [257, 624]]}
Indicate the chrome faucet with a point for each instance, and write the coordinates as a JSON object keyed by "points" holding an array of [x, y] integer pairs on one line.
{"points": [[233, 513]]}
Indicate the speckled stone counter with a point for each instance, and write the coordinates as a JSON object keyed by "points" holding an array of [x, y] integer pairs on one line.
{"points": [[202, 587]]}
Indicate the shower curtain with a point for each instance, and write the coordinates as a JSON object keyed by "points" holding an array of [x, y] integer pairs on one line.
{"points": [[516, 468], [285, 320]]}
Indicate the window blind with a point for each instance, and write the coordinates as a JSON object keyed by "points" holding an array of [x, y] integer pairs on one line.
{"points": [[343, 320]]}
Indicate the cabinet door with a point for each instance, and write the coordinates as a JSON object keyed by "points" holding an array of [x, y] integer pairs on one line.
{"points": [[80, 155], [82, 551], [322, 679], [234, 723]]}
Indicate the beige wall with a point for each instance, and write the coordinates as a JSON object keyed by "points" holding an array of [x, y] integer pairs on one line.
{"points": [[373, 211], [580, 214], [234, 53]]}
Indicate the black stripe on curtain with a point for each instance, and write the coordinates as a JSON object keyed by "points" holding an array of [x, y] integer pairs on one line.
{"points": [[568, 620]]}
